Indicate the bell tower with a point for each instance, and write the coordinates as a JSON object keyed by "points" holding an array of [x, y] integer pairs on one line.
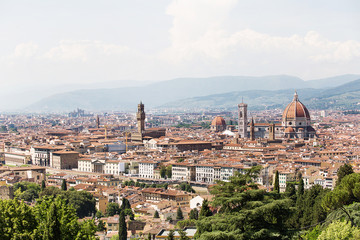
{"points": [[252, 130], [242, 126], [140, 116]]}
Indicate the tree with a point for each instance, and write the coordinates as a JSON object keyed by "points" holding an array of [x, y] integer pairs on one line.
{"points": [[82, 201], [343, 171], [276, 182], [186, 187], [29, 195], [348, 191], [244, 211], [300, 190], [340, 230], [52, 224], [16, 220], [51, 191], [57, 218], [101, 226], [129, 212], [186, 223], [63, 185], [125, 204], [43, 186], [27, 191], [112, 209], [183, 235], [50, 218], [122, 227], [179, 214], [163, 171], [156, 214], [99, 214], [308, 210], [205, 210], [149, 236], [171, 235], [169, 171], [290, 191], [194, 214]]}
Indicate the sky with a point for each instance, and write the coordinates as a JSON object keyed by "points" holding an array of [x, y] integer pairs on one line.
{"points": [[85, 41]]}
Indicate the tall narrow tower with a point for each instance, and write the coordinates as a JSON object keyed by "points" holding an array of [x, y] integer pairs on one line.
{"points": [[272, 131], [252, 130], [242, 108], [97, 121], [140, 116]]}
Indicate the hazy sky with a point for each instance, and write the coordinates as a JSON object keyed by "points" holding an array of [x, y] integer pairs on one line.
{"points": [[75, 41]]}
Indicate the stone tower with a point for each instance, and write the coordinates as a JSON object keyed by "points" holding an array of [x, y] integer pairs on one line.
{"points": [[97, 121], [242, 109], [140, 116], [252, 130], [272, 131]]}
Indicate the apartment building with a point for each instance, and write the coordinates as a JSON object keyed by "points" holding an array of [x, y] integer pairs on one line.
{"points": [[146, 169]]}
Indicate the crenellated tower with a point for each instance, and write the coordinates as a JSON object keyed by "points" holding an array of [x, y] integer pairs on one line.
{"points": [[140, 116]]}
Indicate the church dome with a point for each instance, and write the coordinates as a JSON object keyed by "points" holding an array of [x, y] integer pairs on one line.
{"points": [[218, 121], [289, 130], [295, 110]]}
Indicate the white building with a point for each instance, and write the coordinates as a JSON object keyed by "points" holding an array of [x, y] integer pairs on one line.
{"points": [[183, 172], [84, 165], [112, 167], [205, 173], [146, 169]]}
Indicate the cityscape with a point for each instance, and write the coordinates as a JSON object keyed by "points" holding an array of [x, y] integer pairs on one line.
{"points": [[207, 120]]}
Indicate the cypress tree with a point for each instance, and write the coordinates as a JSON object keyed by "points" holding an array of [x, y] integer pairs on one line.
{"points": [[125, 204], [194, 214], [63, 185], [301, 187], [156, 214], [205, 210], [43, 186], [122, 227], [276, 182], [149, 236], [179, 214]]}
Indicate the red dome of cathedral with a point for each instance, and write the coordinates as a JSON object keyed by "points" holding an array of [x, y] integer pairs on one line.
{"points": [[218, 121], [295, 109], [289, 130]]}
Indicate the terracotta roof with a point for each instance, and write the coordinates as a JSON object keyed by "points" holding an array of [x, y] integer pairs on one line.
{"points": [[295, 109]]}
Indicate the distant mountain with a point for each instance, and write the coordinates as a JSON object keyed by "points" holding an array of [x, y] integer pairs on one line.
{"points": [[346, 96], [256, 99], [174, 91], [332, 81]]}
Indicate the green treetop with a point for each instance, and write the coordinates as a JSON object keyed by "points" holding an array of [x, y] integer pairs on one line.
{"points": [[179, 214], [64, 185], [343, 171]]}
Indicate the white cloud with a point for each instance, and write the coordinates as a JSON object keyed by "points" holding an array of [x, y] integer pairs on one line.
{"points": [[200, 45], [84, 50], [25, 50]]}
